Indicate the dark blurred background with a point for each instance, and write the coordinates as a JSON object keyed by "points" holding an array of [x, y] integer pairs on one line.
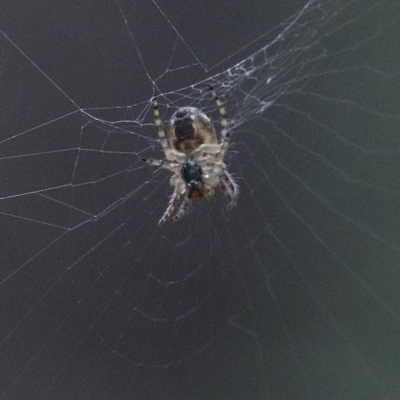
{"points": [[292, 295]]}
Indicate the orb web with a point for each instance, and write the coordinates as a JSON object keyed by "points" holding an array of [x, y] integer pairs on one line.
{"points": [[292, 294]]}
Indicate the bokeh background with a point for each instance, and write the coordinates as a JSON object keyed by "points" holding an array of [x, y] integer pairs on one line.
{"points": [[292, 295]]}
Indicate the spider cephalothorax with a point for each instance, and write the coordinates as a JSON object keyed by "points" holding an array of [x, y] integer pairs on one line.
{"points": [[192, 174], [195, 157]]}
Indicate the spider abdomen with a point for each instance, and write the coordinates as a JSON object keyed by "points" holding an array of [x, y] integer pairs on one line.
{"points": [[189, 129]]}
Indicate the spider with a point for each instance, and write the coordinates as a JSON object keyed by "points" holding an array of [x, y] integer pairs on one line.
{"points": [[195, 157]]}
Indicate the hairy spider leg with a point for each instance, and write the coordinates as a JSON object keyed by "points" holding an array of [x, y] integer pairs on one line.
{"points": [[225, 135], [153, 161], [161, 135], [160, 129], [230, 189], [183, 209], [173, 203]]}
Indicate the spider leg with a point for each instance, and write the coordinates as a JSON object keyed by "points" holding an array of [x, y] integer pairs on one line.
{"points": [[171, 165], [230, 189], [183, 209], [173, 203], [225, 135], [160, 129], [152, 161]]}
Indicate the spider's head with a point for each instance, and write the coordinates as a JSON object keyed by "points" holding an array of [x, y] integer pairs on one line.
{"points": [[192, 174]]}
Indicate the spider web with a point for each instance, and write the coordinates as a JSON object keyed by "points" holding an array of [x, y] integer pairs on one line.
{"points": [[293, 294]]}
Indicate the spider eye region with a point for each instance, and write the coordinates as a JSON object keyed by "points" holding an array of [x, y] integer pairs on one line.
{"points": [[192, 174]]}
